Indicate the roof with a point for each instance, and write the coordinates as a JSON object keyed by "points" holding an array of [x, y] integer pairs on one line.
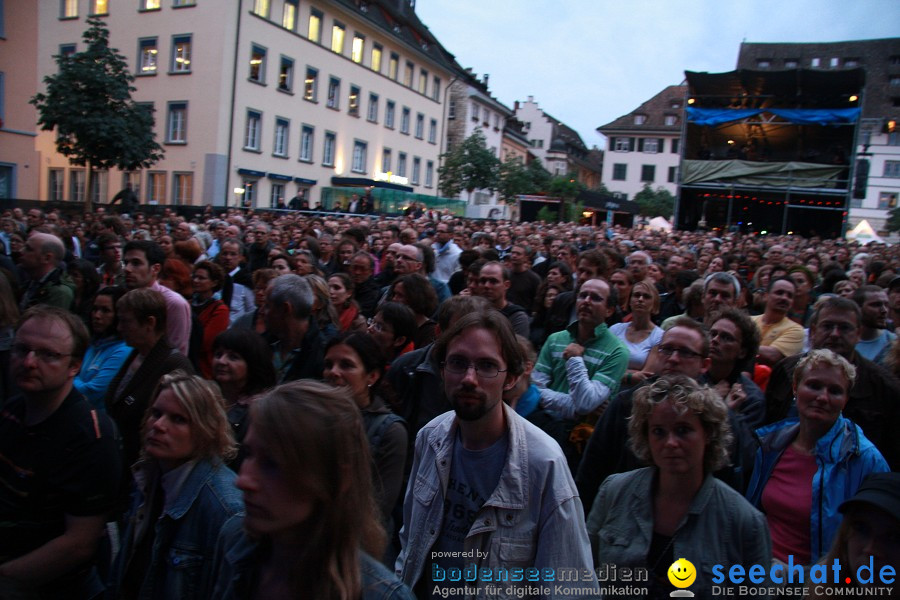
{"points": [[795, 88], [655, 109]]}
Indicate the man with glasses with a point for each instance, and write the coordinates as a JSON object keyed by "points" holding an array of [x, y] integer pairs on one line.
{"points": [[488, 490], [60, 465], [111, 269], [874, 397]]}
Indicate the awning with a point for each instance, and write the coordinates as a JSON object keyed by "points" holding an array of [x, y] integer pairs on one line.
{"points": [[278, 177], [305, 181], [251, 173], [600, 201], [363, 182]]}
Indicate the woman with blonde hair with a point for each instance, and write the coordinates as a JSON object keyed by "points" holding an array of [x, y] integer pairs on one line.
{"points": [[184, 494], [311, 527]]}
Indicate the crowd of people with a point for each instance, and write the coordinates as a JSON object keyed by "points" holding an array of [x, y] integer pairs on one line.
{"points": [[285, 403]]}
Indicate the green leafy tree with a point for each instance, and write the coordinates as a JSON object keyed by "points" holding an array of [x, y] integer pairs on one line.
{"points": [[88, 104], [540, 177], [655, 203], [566, 188], [546, 214], [470, 166]]}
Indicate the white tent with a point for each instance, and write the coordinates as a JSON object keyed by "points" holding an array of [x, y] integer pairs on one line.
{"points": [[863, 233], [659, 223]]}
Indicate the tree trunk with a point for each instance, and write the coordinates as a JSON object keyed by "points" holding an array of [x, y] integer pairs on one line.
{"points": [[88, 181]]}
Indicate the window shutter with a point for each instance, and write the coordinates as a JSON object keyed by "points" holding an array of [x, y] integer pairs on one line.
{"points": [[612, 143], [631, 144], [640, 144], [660, 145]]}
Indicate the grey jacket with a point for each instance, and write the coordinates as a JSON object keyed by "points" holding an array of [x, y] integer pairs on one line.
{"points": [[721, 528], [532, 519]]}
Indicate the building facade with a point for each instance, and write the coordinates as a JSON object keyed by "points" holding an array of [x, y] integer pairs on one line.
{"points": [[644, 146], [876, 178], [266, 100]]}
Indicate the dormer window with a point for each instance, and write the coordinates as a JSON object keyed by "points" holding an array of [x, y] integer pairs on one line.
{"points": [[671, 120], [640, 119]]}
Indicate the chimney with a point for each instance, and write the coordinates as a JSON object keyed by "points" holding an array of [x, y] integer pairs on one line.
{"points": [[531, 99], [485, 79]]}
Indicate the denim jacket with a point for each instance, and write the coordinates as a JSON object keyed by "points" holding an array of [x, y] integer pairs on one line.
{"points": [[186, 534], [720, 527], [532, 519], [844, 456], [236, 571]]}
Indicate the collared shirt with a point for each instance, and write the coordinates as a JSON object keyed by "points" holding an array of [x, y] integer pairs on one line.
{"points": [[178, 318]]}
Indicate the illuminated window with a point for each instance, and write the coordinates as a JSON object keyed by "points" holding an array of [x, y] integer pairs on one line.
{"points": [[150, 4], [315, 27], [408, 74], [393, 66], [353, 101], [149, 53], [376, 58], [337, 38], [358, 49], [176, 124], [258, 64], [309, 84], [423, 81], [286, 74], [289, 15], [261, 8], [181, 54], [68, 9], [99, 7]]}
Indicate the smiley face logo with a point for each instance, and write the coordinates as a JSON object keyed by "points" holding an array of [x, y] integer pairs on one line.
{"points": [[682, 573]]}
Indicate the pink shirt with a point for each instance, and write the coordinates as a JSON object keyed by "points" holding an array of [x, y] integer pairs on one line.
{"points": [[178, 318], [787, 502]]}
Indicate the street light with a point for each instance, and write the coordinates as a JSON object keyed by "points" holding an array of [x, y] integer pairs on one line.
{"points": [[238, 194]]}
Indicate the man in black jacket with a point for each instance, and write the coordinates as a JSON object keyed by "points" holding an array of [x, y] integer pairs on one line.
{"points": [[299, 349]]}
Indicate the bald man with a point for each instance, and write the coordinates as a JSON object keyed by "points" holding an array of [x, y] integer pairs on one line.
{"points": [[48, 283]]}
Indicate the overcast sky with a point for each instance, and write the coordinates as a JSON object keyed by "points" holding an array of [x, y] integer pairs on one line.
{"points": [[588, 62]]}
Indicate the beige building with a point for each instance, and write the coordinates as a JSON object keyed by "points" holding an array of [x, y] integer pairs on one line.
{"points": [[265, 99]]}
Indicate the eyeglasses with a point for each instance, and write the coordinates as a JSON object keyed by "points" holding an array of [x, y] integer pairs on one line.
{"points": [[483, 368], [668, 351], [377, 326], [45, 356]]}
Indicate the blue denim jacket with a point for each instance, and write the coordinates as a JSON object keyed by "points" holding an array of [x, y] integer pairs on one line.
{"points": [[532, 519], [236, 569], [186, 535]]}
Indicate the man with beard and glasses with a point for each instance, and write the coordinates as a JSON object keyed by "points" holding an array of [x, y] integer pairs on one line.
{"points": [[485, 479]]}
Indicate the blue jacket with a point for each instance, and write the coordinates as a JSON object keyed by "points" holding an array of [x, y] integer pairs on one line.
{"points": [[844, 457], [181, 561], [236, 571], [102, 361]]}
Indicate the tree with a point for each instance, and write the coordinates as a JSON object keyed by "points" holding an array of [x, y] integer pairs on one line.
{"points": [[88, 102], [515, 180], [659, 203], [470, 166], [540, 177], [566, 188]]}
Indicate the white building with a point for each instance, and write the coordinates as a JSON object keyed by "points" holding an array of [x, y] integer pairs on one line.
{"points": [[644, 145], [272, 97]]}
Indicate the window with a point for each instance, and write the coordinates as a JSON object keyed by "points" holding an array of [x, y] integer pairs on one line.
{"points": [[451, 109], [251, 131], [276, 195], [887, 200], [894, 139], [624, 144], [791, 63], [289, 15], [328, 149], [261, 8], [389, 114], [359, 157], [404, 121], [56, 184], [286, 74], [133, 178], [309, 84], [892, 168], [372, 113], [476, 112], [620, 171], [432, 131], [99, 186], [183, 188], [67, 50], [649, 145], [670, 120], [648, 173], [282, 131], [150, 4], [249, 191], [358, 48], [337, 38], [851, 63], [675, 145], [149, 53], [99, 7], [417, 166], [815, 62], [307, 134], [376, 58], [334, 93], [408, 74], [176, 124], [181, 54], [394, 66], [156, 187], [496, 121], [68, 9], [386, 160], [673, 172], [401, 164], [763, 63], [258, 64], [423, 81], [640, 119], [487, 118], [76, 185], [180, 3], [429, 173], [315, 27], [436, 88], [894, 81], [420, 126], [353, 103], [834, 62]]}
